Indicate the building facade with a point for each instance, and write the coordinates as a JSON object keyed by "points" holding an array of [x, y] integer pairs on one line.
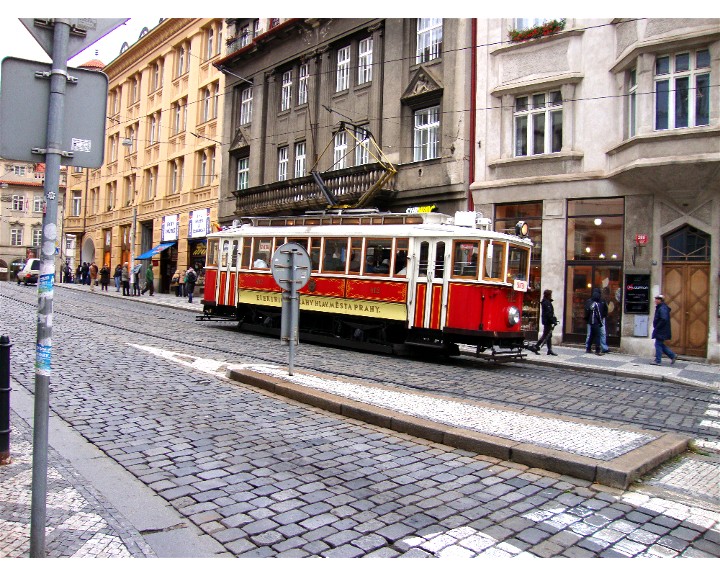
{"points": [[315, 95], [155, 196], [604, 135], [22, 205]]}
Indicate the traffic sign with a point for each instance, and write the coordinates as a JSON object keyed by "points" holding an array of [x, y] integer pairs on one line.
{"points": [[291, 265], [83, 32]]}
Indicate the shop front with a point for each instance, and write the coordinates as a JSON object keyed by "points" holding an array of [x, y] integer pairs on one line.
{"points": [[198, 229]]}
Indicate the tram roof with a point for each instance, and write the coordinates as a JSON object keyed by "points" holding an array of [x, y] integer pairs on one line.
{"points": [[380, 225]]}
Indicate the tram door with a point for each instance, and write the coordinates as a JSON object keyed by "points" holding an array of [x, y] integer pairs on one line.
{"points": [[430, 258]]}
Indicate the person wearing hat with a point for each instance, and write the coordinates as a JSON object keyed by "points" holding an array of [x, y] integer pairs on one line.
{"points": [[661, 330], [547, 317]]}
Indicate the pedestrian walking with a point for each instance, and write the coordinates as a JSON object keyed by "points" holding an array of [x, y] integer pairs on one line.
{"points": [[149, 281], [593, 316], [93, 275], [86, 273], [603, 327], [118, 277], [549, 321], [104, 277], [135, 278], [78, 274], [125, 276], [661, 330], [176, 284], [190, 279]]}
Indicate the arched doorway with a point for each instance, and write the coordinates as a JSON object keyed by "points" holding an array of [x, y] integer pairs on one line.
{"points": [[88, 251], [686, 284]]}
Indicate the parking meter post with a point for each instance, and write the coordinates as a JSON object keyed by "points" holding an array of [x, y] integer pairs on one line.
{"points": [[5, 399]]}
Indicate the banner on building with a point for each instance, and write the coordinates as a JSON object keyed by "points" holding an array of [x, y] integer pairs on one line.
{"points": [[170, 225], [199, 226]]}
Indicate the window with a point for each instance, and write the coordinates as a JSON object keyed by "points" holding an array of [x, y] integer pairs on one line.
{"points": [[682, 90], [181, 61], [429, 39], [154, 129], [362, 150], [335, 254], [494, 268], [37, 203], [18, 203], [209, 52], [303, 76], [134, 89], [245, 36], [113, 147], [426, 134], [207, 167], [282, 163], [76, 203], [37, 236], [156, 76], [340, 150], [176, 168], [150, 182], [177, 110], [299, 159], [207, 104], [130, 136], [16, 237], [18, 170], [246, 100], [365, 61], [465, 258], [526, 23], [243, 174], [632, 103], [343, 69], [538, 124], [286, 92]]}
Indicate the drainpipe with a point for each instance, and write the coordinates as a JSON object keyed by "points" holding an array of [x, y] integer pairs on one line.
{"points": [[473, 114]]}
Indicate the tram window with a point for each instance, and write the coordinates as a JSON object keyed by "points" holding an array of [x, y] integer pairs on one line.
{"points": [[356, 245], [401, 254], [423, 261], [518, 263], [245, 258], [465, 259], [440, 260], [494, 261], [335, 254], [234, 254], [314, 253], [302, 241], [212, 253], [377, 256], [262, 247], [225, 251]]}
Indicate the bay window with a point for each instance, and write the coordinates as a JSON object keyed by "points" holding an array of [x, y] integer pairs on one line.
{"points": [[682, 86]]}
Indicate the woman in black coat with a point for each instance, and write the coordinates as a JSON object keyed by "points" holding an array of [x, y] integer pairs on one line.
{"points": [[547, 317]]}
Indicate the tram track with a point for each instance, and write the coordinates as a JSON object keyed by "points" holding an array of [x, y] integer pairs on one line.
{"points": [[516, 382]]}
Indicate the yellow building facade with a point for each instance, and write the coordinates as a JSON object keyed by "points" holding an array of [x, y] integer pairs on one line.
{"points": [[155, 198]]}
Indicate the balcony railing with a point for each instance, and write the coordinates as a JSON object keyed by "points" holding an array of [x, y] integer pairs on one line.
{"points": [[299, 194]]}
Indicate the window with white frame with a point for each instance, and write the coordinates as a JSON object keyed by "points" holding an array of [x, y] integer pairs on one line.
{"points": [[362, 148], [206, 104], [283, 163], [37, 203], [365, 60], [286, 90], [303, 76], [340, 151], [36, 236], [211, 156], [128, 190], [682, 90], [130, 136], [426, 138], [245, 36], [632, 103], [203, 168], [526, 23], [209, 44], [300, 159], [18, 203], [16, 236], [343, 69], [134, 89], [181, 61], [76, 209], [156, 76], [18, 170], [153, 136], [113, 147], [246, 101], [538, 124], [242, 178], [150, 182], [177, 117], [175, 172], [429, 39]]}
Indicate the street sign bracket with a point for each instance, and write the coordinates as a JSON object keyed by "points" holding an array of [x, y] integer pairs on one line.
{"points": [[68, 78], [62, 153]]}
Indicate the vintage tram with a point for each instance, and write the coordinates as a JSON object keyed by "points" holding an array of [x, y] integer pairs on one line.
{"points": [[379, 281]]}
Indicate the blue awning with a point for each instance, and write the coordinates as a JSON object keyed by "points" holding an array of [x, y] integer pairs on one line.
{"points": [[155, 251]]}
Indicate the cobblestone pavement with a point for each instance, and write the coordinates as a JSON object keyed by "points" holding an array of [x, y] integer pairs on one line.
{"points": [[265, 476]]}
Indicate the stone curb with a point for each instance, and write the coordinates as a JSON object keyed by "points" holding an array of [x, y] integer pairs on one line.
{"points": [[619, 472]]}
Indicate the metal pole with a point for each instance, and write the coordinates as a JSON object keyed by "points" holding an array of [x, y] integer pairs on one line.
{"points": [[43, 350], [292, 313], [5, 399], [133, 231]]}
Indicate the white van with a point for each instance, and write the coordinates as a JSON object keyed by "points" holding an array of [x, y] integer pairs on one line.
{"points": [[30, 272]]}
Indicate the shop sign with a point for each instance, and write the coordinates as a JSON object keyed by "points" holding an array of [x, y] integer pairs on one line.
{"points": [[421, 209], [199, 223], [200, 250], [170, 227], [637, 293]]}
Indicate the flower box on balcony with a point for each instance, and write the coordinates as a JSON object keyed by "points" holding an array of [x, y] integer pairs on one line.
{"points": [[546, 29]]}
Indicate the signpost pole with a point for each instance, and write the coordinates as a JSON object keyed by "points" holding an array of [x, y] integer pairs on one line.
{"points": [[46, 281]]}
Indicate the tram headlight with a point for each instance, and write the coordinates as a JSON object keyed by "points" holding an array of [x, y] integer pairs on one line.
{"points": [[513, 315]]}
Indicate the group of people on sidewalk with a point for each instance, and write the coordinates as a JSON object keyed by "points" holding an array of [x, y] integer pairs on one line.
{"points": [[596, 311]]}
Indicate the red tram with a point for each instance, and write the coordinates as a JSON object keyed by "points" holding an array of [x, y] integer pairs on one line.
{"points": [[379, 281]]}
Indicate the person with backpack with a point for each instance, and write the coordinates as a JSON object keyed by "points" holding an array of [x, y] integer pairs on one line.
{"points": [[549, 321], [593, 316], [661, 330], [190, 280]]}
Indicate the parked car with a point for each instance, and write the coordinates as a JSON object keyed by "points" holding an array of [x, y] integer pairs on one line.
{"points": [[30, 272]]}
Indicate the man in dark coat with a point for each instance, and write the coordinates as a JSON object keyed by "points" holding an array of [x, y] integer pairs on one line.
{"points": [[547, 317], [593, 316], [661, 330]]}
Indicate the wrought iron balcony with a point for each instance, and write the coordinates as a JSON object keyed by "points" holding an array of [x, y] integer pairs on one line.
{"points": [[299, 194]]}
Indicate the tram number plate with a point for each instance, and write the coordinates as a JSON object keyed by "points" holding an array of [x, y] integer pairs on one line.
{"points": [[520, 285]]}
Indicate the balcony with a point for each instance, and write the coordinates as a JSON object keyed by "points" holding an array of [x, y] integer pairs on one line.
{"points": [[299, 194]]}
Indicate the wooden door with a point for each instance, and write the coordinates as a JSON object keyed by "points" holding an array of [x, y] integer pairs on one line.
{"points": [[686, 287]]}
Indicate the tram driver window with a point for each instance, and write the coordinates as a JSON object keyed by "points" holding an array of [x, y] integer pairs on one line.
{"points": [[494, 261], [225, 251], [212, 253], [465, 259], [518, 263], [401, 256], [245, 254]]}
